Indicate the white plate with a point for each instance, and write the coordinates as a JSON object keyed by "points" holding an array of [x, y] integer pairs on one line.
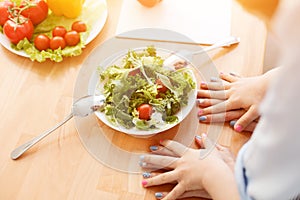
{"points": [[98, 7], [116, 59]]}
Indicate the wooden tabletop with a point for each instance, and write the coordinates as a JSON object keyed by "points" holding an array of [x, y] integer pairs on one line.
{"points": [[36, 96]]}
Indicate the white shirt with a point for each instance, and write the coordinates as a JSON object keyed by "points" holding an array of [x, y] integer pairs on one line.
{"points": [[270, 162]]}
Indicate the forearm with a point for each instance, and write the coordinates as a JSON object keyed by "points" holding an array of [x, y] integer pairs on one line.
{"points": [[220, 183]]}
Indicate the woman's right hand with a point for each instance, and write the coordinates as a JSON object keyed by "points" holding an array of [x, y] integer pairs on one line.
{"points": [[233, 97]]}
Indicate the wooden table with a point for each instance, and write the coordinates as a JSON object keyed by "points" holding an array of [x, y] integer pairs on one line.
{"points": [[35, 96]]}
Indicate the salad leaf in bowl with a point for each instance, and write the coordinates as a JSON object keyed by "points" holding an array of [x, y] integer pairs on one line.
{"points": [[144, 97]]}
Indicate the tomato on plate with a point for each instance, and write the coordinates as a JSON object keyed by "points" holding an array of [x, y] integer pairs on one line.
{"points": [[4, 12], [57, 42], [36, 11], [59, 31], [72, 38], [145, 111], [79, 26], [16, 30], [160, 86], [42, 42]]}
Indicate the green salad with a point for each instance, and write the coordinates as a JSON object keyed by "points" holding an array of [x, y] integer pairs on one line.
{"points": [[142, 93]]}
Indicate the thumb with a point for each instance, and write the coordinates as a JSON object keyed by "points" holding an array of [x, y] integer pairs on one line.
{"points": [[246, 119]]}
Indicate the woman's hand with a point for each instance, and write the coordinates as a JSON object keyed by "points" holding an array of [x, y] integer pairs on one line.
{"points": [[196, 171], [233, 97]]}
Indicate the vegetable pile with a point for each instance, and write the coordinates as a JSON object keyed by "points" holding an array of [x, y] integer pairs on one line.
{"points": [[28, 25], [142, 93]]}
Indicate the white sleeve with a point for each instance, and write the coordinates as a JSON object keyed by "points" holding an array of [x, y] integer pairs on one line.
{"points": [[272, 159]]}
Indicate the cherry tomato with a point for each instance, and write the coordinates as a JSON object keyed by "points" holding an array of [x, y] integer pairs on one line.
{"points": [[59, 31], [57, 42], [4, 12], [161, 87], [37, 10], [145, 111], [42, 42], [72, 38], [16, 31], [79, 26], [134, 72]]}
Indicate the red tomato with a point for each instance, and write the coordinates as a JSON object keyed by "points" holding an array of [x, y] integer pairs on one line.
{"points": [[4, 13], [59, 31], [18, 31], [72, 38], [79, 26], [145, 111], [161, 87], [42, 42], [57, 42], [37, 10], [134, 72]]}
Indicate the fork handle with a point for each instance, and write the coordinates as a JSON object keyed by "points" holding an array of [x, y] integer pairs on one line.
{"points": [[15, 154]]}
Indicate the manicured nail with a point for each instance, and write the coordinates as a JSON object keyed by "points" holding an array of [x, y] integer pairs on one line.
{"points": [[203, 83], [142, 157], [144, 182], [153, 148], [232, 123], [204, 135], [159, 195], [146, 175], [142, 164], [214, 79], [161, 141], [200, 112], [232, 73], [202, 118], [238, 128], [200, 101], [221, 73], [198, 137]]}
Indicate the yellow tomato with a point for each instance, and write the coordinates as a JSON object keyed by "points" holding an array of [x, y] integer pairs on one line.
{"points": [[149, 3]]}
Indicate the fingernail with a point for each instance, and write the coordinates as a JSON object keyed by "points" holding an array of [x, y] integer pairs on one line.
{"points": [[203, 135], [142, 157], [232, 73], [200, 112], [200, 101], [161, 141], [203, 83], [142, 164], [232, 123], [214, 79], [198, 137], [144, 182], [146, 175], [221, 73], [153, 148], [202, 118], [158, 195], [238, 128]]}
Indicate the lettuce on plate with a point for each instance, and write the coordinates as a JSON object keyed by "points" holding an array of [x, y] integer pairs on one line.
{"points": [[133, 83]]}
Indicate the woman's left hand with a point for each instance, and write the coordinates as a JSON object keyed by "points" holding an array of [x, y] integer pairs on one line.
{"points": [[188, 167]]}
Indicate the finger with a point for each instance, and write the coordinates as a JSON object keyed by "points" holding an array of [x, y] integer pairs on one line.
{"points": [[167, 177], [195, 193], [228, 77], [246, 119], [208, 102], [214, 85], [207, 143], [176, 192], [199, 141], [215, 79], [157, 161], [176, 147], [218, 108], [222, 117], [234, 74], [211, 94], [159, 150], [249, 128], [187, 194], [150, 174]]}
